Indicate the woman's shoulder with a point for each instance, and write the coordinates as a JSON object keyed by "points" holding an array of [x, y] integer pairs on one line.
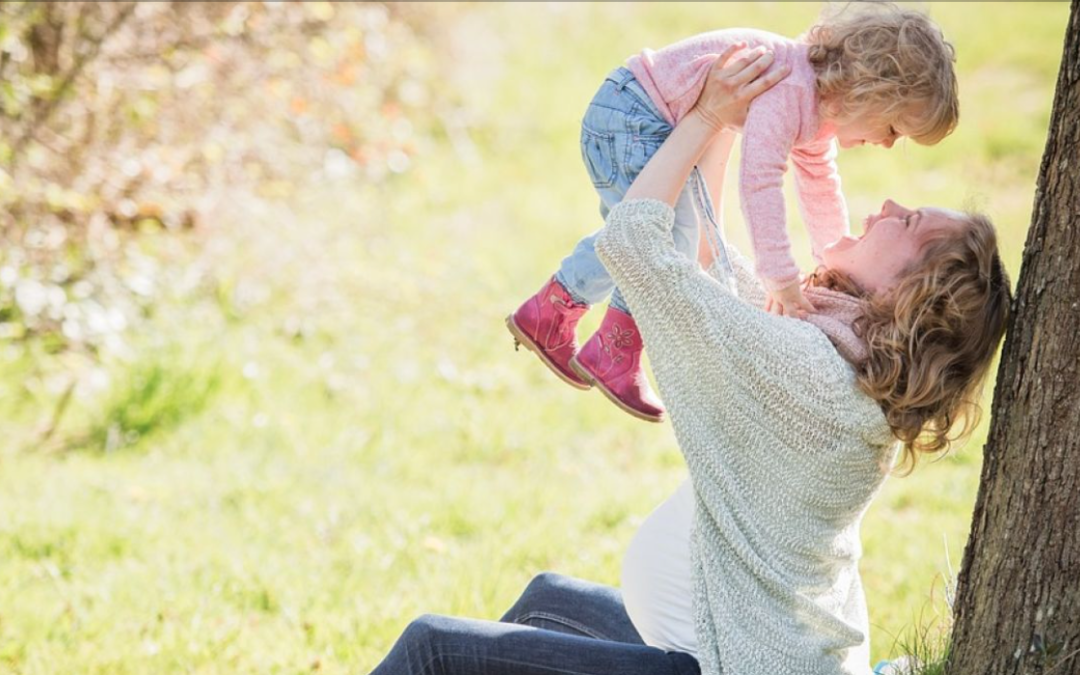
{"points": [[831, 381], [848, 404]]}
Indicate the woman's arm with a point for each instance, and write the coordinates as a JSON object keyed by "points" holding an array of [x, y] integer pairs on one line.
{"points": [[707, 135], [723, 104], [713, 167]]}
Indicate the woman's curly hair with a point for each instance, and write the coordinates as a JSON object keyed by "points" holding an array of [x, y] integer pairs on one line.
{"points": [[932, 337], [878, 60]]}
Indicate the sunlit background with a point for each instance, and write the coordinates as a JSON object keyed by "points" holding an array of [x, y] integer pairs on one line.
{"points": [[260, 408]]}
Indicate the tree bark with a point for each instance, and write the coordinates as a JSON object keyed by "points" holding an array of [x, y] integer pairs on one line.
{"points": [[1017, 608]]}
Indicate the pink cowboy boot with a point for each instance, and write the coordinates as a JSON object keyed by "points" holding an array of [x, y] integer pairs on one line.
{"points": [[611, 360], [545, 325]]}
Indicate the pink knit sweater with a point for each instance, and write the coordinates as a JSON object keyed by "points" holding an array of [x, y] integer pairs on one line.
{"points": [[783, 122]]}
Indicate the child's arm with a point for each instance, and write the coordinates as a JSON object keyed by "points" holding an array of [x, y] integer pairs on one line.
{"points": [[772, 125], [822, 203]]}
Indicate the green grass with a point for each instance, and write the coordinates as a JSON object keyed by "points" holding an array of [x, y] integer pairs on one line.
{"points": [[353, 441]]}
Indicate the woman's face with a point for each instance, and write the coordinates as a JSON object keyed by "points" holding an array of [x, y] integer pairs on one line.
{"points": [[891, 240]]}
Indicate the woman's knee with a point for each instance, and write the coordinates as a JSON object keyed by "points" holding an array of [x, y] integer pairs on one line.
{"points": [[417, 650], [538, 595], [546, 583], [426, 629]]}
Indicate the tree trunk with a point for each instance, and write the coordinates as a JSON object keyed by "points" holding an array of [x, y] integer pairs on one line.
{"points": [[1018, 603]]}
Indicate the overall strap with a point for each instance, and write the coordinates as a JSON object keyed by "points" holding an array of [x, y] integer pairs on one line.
{"points": [[721, 269]]}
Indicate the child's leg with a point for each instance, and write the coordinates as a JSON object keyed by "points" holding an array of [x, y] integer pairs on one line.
{"points": [[619, 133], [611, 359], [583, 275], [621, 130]]}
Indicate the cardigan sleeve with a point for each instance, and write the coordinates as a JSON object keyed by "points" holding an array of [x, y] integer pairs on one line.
{"points": [[707, 346], [746, 281], [687, 315]]}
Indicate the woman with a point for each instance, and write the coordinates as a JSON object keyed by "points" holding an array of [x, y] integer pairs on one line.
{"points": [[788, 427]]}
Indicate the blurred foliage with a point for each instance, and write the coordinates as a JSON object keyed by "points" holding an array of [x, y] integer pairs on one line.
{"points": [[156, 397], [122, 124]]}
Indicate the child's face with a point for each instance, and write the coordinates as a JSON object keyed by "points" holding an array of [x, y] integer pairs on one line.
{"points": [[865, 130]]}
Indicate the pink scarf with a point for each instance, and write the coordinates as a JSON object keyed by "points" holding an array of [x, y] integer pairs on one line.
{"points": [[835, 316]]}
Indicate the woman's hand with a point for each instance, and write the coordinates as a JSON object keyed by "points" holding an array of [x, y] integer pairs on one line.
{"points": [[733, 83], [722, 105]]}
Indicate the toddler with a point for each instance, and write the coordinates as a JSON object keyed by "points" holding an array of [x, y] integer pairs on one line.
{"points": [[867, 74]]}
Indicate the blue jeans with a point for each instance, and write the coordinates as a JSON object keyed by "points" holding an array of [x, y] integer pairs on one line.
{"points": [[558, 625], [620, 132]]}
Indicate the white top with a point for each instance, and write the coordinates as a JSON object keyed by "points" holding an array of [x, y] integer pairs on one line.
{"points": [[657, 587], [785, 454]]}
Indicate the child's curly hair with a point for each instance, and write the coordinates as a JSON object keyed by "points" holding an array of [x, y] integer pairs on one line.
{"points": [[893, 64], [931, 339]]}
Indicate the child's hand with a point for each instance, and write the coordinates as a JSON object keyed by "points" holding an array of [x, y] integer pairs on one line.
{"points": [[789, 301]]}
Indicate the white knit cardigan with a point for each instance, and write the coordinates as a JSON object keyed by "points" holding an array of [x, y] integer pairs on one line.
{"points": [[784, 452]]}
